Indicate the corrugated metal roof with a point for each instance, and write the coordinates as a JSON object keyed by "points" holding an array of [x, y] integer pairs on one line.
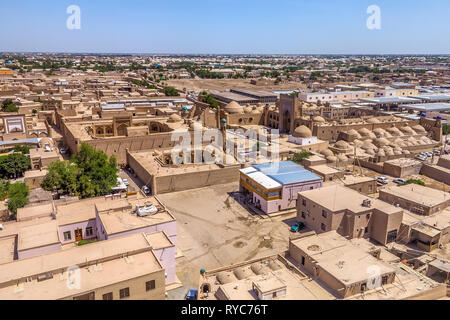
{"points": [[286, 172], [264, 180]]}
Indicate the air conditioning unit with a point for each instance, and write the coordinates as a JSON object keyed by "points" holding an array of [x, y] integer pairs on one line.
{"points": [[367, 203]]}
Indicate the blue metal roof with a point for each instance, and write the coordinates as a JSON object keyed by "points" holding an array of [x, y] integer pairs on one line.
{"points": [[286, 172]]}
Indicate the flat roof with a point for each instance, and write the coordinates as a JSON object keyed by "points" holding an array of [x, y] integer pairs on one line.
{"points": [[433, 97], [338, 197], [159, 240], [384, 100], [31, 212], [75, 212], [418, 194], [338, 256], [22, 269], [286, 172], [7, 246], [435, 106], [100, 274], [324, 169], [118, 216], [39, 235]]}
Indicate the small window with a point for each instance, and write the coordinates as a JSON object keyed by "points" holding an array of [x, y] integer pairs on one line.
{"points": [[303, 215], [323, 227], [124, 293], [89, 232], [303, 260], [108, 296], [150, 285], [304, 202], [324, 214], [67, 236]]}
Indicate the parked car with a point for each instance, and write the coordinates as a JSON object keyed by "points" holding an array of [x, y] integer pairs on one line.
{"points": [[399, 181], [421, 157], [126, 182], [383, 180], [191, 294], [429, 154], [437, 152], [146, 190], [63, 150], [297, 226]]}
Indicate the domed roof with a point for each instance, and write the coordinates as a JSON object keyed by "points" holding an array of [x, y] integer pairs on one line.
{"points": [[381, 142], [379, 131], [326, 153], [358, 142], [247, 109], [318, 119], [368, 145], [255, 111], [364, 131], [342, 158], [370, 151], [394, 131], [174, 118], [381, 153], [331, 159], [234, 107], [341, 144], [407, 130], [302, 132], [419, 128], [373, 120]]}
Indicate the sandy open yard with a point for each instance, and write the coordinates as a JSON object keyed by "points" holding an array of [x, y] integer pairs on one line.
{"points": [[214, 230]]}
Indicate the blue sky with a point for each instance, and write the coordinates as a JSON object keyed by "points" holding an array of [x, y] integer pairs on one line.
{"points": [[227, 26]]}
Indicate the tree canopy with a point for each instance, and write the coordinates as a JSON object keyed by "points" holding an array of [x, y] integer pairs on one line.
{"points": [[170, 92], [299, 156], [13, 165], [18, 196], [90, 173], [9, 106]]}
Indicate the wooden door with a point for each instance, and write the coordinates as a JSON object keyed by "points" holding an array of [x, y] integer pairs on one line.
{"points": [[78, 235]]}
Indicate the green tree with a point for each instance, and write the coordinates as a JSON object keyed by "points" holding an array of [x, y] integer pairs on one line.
{"points": [[299, 156], [22, 148], [18, 196], [90, 173], [9, 106], [61, 178], [4, 185], [14, 164], [101, 171], [170, 92], [209, 99]]}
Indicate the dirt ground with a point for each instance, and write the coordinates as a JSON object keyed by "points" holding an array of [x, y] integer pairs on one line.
{"points": [[226, 84], [214, 230]]}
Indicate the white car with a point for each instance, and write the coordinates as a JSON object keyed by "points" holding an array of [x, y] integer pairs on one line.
{"points": [[383, 180], [126, 182], [63, 150]]}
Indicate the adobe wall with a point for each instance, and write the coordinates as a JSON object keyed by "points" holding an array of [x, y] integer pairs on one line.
{"points": [[192, 180], [436, 172]]}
